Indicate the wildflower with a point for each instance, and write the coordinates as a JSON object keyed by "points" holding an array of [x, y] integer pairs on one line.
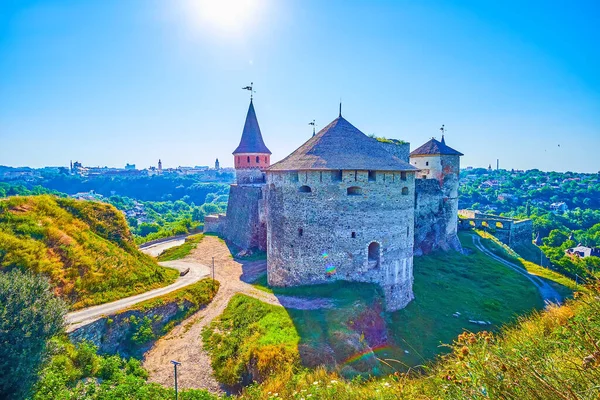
{"points": [[333, 381], [464, 351], [386, 384], [315, 382]]}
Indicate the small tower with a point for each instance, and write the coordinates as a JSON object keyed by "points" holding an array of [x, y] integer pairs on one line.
{"points": [[217, 164], [252, 156], [159, 166]]}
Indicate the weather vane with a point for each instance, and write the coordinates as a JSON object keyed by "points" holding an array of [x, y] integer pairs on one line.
{"points": [[313, 125], [250, 88]]}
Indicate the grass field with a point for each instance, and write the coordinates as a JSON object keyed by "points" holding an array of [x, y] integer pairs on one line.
{"points": [[183, 250], [357, 334]]}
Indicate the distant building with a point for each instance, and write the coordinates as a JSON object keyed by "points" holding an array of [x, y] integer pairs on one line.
{"points": [[217, 166], [159, 166], [583, 251], [129, 166], [559, 208]]}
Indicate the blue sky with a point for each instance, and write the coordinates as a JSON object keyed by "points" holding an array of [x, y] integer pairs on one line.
{"points": [[115, 81]]}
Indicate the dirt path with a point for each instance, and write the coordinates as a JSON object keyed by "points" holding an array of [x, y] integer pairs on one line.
{"points": [[548, 293], [184, 342]]}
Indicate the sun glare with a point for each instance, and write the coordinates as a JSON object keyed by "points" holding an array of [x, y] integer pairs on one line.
{"points": [[226, 16]]}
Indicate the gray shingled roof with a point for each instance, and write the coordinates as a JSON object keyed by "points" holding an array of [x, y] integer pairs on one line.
{"points": [[252, 141], [434, 147], [341, 146]]}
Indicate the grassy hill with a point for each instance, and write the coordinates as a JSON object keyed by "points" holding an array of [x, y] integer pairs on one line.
{"points": [[85, 248]]}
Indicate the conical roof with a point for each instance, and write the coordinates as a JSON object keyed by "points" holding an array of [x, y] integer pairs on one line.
{"points": [[435, 147], [341, 146], [252, 141]]}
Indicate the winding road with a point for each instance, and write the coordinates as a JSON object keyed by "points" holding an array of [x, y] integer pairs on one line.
{"points": [[548, 293], [197, 271]]}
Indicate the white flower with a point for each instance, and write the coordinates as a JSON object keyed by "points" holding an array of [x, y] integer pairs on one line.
{"points": [[334, 381], [315, 382]]}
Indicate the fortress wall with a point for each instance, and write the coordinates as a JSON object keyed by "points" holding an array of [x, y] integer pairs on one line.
{"points": [[243, 226], [400, 150], [521, 232], [310, 234], [214, 223]]}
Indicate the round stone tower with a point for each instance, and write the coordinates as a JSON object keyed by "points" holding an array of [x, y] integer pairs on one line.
{"points": [[342, 208], [252, 156], [436, 202]]}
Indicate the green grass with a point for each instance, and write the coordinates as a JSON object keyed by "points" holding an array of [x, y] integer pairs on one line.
{"points": [[183, 250], [84, 247], [562, 284], [478, 287]]}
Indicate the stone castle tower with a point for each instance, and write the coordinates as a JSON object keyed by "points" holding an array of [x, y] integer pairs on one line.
{"points": [[436, 196], [340, 207], [244, 224]]}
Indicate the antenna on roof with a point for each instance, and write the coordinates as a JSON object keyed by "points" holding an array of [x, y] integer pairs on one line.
{"points": [[250, 88], [313, 125]]}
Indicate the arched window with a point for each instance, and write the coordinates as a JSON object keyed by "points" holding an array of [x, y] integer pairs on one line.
{"points": [[248, 159], [266, 160], [374, 256], [405, 190], [257, 159], [304, 189], [354, 191]]}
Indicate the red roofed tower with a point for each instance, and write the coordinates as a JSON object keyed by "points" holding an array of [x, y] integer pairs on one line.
{"points": [[252, 156]]}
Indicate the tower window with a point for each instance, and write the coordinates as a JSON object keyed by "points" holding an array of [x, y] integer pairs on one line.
{"points": [[266, 160], [248, 159], [305, 189], [353, 235], [373, 256], [300, 232], [336, 176], [257, 159], [424, 176], [403, 175], [427, 163], [354, 191], [404, 190], [372, 176]]}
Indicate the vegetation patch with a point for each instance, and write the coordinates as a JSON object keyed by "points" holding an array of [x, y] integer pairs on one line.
{"points": [[183, 250], [132, 332], [84, 247], [562, 284], [250, 341]]}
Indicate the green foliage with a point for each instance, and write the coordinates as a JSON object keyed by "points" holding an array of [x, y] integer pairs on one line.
{"points": [[29, 316], [250, 331], [78, 372], [84, 247], [181, 251], [141, 330]]}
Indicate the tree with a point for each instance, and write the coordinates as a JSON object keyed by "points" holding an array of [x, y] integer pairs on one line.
{"points": [[30, 315]]}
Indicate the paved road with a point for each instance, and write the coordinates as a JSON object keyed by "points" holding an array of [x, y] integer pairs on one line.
{"points": [[198, 271], [156, 249], [548, 293]]}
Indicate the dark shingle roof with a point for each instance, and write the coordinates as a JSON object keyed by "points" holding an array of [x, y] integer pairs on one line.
{"points": [[434, 147], [252, 141], [341, 146]]}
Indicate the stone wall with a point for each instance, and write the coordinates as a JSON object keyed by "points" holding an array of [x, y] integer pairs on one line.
{"points": [[521, 232], [215, 223], [245, 225], [509, 231], [249, 176], [398, 148], [317, 232]]}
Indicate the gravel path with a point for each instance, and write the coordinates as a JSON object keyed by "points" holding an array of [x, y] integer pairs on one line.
{"points": [[548, 293], [184, 342]]}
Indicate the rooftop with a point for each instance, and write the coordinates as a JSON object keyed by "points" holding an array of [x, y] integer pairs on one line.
{"points": [[338, 146], [252, 141], [435, 147]]}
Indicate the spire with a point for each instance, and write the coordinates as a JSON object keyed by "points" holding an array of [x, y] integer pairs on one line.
{"points": [[443, 131], [252, 141], [340, 108], [313, 125]]}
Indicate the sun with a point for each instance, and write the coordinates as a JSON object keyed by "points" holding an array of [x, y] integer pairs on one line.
{"points": [[227, 16]]}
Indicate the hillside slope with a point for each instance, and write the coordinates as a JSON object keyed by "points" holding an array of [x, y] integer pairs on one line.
{"points": [[85, 248]]}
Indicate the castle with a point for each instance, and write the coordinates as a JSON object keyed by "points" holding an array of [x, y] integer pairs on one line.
{"points": [[343, 206]]}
